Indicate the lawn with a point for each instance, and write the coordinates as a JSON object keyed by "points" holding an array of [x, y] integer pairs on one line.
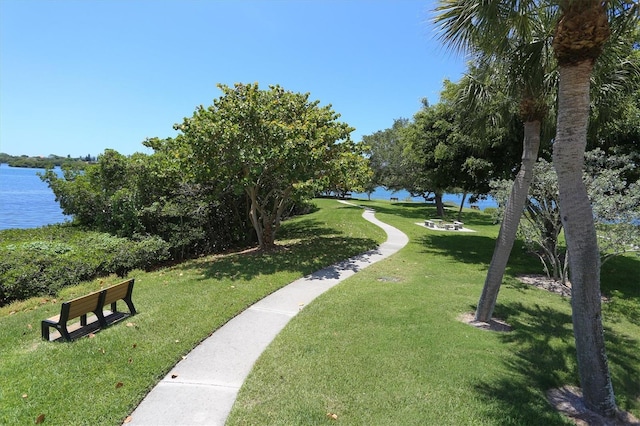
{"points": [[99, 380], [386, 347], [383, 347]]}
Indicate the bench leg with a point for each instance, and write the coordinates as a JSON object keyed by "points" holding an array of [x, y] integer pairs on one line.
{"points": [[129, 303], [101, 319], [64, 332], [45, 330]]}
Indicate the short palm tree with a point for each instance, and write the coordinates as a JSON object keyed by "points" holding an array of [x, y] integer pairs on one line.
{"points": [[506, 37]]}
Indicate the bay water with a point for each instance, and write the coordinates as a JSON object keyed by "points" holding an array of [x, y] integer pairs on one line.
{"points": [[404, 196], [25, 200], [28, 202]]}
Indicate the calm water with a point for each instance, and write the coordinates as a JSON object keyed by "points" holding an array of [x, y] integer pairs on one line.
{"points": [[26, 201], [383, 194]]}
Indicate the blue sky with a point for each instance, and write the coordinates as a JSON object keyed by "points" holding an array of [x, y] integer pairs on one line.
{"points": [[77, 77]]}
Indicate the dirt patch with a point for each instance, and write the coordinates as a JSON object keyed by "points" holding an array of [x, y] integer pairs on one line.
{"points": [[494, 325], [545, 283], [568, 401], [550, 284]]}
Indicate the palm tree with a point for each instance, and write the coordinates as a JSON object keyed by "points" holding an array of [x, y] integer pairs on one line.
{"points": [[581, 33], [583, 27], [511, 37]]}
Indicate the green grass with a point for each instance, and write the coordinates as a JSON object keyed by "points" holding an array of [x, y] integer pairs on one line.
{"points": [[99, 380], [386, 347]]}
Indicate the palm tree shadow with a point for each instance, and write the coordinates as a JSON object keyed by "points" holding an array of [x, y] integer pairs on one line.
{"points": [[544, 359]]}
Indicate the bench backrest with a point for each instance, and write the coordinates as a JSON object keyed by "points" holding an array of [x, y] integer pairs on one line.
{"points": [[118, 291], [81, 305]]}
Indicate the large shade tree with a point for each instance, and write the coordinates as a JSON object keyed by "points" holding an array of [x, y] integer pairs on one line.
{"points": [[268, 144], [384, 149], [440, 157]]}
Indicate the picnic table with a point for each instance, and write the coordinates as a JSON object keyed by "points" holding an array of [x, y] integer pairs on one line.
{"points": [[439, 223], [433, 223]]}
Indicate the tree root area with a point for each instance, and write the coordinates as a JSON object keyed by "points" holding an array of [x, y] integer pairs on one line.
{"points": [[568, 401]]}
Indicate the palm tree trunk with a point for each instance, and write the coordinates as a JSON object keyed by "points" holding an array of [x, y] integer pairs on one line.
{"points": [[577, 219], [510, 222]]}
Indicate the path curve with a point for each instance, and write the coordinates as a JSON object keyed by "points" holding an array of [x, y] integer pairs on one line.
{"points": [[201, 389]]}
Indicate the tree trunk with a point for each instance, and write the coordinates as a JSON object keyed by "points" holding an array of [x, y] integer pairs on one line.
{"points": [[439, 205], [268, 234], [510, 222], [580, 234], [254, 215], [464, 197]]}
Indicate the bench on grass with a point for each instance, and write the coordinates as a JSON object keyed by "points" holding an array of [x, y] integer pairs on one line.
{"points": [[91, 303]]}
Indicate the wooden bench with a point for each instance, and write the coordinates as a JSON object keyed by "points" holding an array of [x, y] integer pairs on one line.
{"points": [[474, 207], [91, 303], [393, 199]]}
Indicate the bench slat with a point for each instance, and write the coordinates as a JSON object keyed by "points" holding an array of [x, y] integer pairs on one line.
{"points": [[83, 305], [117, 292]]}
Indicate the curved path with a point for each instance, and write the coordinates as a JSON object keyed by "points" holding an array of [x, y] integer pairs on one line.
{"points": [[201, 389]]}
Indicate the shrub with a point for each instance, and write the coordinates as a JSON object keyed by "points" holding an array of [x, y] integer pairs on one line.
{"points": [[43, 265]]}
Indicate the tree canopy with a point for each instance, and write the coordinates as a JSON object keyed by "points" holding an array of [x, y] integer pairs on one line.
{"points": [[268, 144]]}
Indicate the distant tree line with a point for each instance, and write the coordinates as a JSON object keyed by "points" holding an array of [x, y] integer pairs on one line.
{"points": [[43, 162]]}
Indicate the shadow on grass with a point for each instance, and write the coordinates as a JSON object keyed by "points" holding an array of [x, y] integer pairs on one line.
{"points": [[422, 211], [620, 283], [464, 248], [314, 246], [477, 249], [544, 349]]}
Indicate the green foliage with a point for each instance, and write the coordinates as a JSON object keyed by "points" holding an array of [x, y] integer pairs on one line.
{"points": [[44, 260], [268, 144], [386, 158], [614, 190], [152, 195], [614, 186], [349, 171], [540, 226]]}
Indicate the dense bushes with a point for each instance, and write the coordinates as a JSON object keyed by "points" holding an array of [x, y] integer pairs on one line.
{"points": [[138, 211], [153, 195], [41, 261], [129, 213]]}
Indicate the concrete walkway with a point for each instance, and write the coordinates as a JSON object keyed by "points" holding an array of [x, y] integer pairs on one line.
{"points": [[201, 389]]}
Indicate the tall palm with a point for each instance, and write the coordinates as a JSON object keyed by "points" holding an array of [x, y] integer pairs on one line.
{"points": [[581, 33], [511, 36]]}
